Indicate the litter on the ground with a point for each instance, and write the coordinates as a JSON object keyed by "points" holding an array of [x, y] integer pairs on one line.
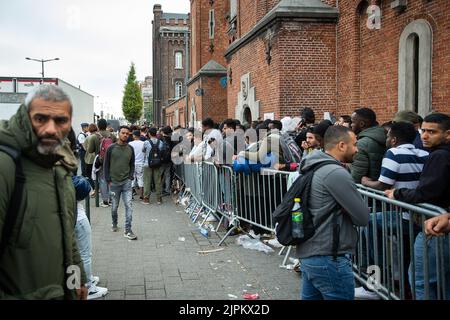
{"points": [[290, 266], [181, 239], [250, 296], [232, 296], [274, 243], [253, 244], [211, 251]]}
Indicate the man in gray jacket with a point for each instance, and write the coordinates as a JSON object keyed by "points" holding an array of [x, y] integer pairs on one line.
{"points": [[337, 204]]}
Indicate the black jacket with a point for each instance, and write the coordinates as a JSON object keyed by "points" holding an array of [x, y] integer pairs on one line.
{"points": [[434, 183]]}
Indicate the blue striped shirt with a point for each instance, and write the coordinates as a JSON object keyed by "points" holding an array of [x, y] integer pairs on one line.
{"points": [[402, 166]]}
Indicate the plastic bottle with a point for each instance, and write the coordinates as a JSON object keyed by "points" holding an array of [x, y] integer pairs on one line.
{"points": [[204, 232], [297, 219]]}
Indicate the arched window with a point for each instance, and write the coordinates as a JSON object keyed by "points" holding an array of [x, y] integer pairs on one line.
{"points": [[414, 68], [178, 60], [178, 89]]}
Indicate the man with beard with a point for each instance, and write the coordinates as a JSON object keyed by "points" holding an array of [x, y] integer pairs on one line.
{"points": [[39, 258], [336, 208]]}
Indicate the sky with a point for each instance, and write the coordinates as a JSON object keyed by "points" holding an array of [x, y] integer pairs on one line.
{"points": [[96, 41]]}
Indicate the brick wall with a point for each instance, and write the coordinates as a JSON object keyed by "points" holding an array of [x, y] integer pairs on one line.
{"points": [[307, 67], [164, 73], [214, 102], [201, 46], [368, 59], [169, 75], [179, 105], [330, 67], [301, 72]]}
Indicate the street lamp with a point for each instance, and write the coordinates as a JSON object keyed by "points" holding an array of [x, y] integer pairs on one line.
{"points": [[42, 62]]}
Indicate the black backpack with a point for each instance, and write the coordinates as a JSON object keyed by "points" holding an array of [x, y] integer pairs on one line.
{"points": [[291, 151], [16, 198], [166, 153], [155, 155], [301, 188]]}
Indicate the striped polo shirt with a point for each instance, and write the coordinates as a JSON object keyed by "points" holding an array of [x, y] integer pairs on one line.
{"points": [[402, 166]]}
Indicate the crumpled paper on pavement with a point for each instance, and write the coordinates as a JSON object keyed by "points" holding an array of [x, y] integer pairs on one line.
{"points": [[253, 244]]}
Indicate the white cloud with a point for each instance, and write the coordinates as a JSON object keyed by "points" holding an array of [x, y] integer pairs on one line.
{"points": [[96, 41]]}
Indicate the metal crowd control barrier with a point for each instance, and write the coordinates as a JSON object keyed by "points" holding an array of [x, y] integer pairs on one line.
{"points": [[394, 240], [209, 193], [192, 182], [257, 196], [227, 200]]}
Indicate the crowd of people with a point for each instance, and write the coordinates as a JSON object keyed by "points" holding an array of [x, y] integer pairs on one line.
{"points": [[408, 158]]}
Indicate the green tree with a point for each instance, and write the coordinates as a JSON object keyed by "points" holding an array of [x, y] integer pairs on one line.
{"points": [[132, 102], [148, 111]]}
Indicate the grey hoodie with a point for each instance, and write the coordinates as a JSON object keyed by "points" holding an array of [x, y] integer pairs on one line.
{"points": [[332, 184]]}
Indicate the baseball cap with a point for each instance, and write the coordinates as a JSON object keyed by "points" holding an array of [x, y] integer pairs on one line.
{"points": [[84, 124], [406, 116]]}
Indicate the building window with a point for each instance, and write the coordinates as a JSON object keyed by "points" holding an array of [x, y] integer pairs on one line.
{"points": [[178, 60], [178, 89], [212, 24], [414, 68]]}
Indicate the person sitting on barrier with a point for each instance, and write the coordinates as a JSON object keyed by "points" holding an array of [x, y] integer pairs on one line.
{"points": [[336, 208], [401, 168], [433, 188], [269, 144], [438, 226]]}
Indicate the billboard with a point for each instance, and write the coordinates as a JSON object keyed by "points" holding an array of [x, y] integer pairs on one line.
{"points": [[7, 86], [27, 85]]}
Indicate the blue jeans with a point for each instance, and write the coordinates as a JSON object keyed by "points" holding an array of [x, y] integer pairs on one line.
{"points": [[124, 189], [103, 185], [392, 220], [326, 279], [165, 176], [83, 236], [432, 267]]}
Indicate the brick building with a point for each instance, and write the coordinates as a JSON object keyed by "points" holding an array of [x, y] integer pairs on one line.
{"points": [[170, 40], [282, 55]]}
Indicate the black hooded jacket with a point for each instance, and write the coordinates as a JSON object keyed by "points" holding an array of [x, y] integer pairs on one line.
{"points": [[434, 183]]}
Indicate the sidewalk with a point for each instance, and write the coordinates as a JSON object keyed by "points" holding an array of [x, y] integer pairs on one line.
{"points": [[163, 265]]}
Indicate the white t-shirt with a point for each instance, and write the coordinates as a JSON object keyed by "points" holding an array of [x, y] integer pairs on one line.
{"points": [[81, 213], [139, 156], [81, 137]]}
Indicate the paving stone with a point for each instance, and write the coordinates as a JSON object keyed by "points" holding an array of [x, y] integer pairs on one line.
{"points": [[159, 266], [132, 290]]}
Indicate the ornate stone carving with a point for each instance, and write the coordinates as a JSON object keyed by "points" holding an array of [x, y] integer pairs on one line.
{"points": [[268, 44], [247, 100]]}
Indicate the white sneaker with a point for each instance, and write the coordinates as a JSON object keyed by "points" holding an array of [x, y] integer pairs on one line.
{"points": [[95, 292], [363, 294], [95, 280]]}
